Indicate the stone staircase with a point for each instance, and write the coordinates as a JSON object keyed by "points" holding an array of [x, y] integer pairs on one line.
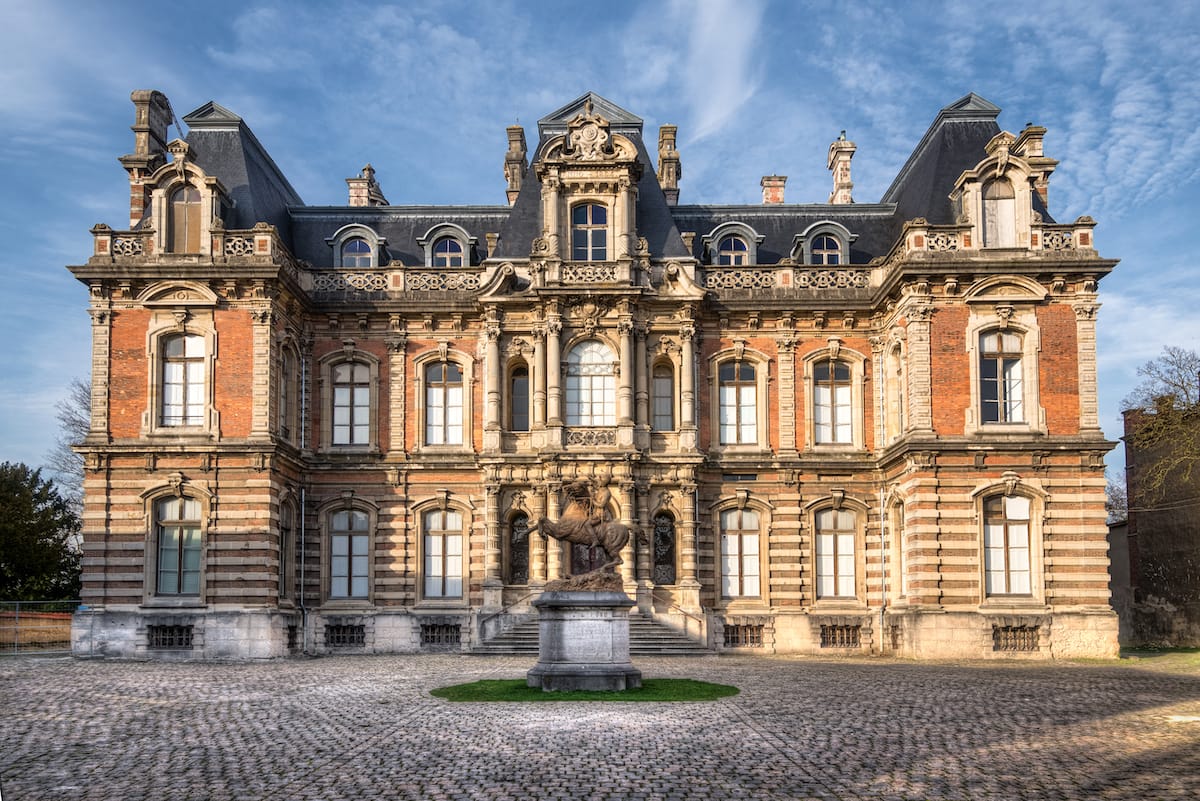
{"points": [[646, 638]]}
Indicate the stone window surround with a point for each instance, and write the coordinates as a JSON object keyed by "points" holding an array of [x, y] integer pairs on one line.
{"points": [[356, 231], [163, 325], [858, 379], [802, 242], [325, 512], [762, 364], [466, 364], [1014, 316], [430, 238], [443, 503], [347, 353], [1012, 484], [838, 500], [742, 499], [177, 486], [742, 230]]}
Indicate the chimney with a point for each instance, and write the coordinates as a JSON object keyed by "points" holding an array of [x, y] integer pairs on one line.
{"points": [[772, 187], [364, 191], [840, 153], [669, 168], [1029, 146], [152, 116], [514, 161]]}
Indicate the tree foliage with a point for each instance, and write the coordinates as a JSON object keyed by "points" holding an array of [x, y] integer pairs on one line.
{"points": [[38, 527], [1164, 431]]}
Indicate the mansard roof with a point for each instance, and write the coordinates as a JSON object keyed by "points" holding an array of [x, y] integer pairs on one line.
{"points": [[620, 120]]}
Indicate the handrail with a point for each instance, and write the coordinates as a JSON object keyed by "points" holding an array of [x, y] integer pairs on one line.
{"points": [[676, 606], [481, 620]]}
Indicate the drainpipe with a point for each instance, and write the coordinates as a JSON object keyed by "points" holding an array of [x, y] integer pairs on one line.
{"points": [[303, 424], [883, 573]]}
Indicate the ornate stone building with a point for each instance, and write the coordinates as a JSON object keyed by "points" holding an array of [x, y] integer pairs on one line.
{"points": [[838, 427]]}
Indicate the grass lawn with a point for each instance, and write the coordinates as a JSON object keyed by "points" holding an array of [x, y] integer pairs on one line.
{"points": [[651, 690]]}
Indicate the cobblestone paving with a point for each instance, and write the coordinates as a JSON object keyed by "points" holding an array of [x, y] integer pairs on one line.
{"points": [[366, 728]]}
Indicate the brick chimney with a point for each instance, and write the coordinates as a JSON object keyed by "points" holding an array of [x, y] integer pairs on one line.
{"points": [[669, 168], [772, 187], [364, 191], [152, 116], [840, 153], [514, 161]]}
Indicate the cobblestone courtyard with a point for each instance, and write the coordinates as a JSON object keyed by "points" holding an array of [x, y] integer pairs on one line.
{"points": [[366, 728]]}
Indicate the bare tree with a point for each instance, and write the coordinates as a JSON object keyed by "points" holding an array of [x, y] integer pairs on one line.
{"points": [[1116, 499], [74, 413], [1163, 426], [1174, 374]]}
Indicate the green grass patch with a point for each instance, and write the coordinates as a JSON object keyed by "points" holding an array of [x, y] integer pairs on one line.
{"points": [[651, 690]]}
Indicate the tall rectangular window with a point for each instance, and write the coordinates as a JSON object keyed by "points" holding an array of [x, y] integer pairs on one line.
{"points": [[185, 220], [739, 554], [351, 404], [663, 394], [591, 396], [349, 562], [835, 553], [443, 554], [589, 232], [1001, 390], [178, 524], [183, 380], [738, 391], [1006, 545], [443, 404], [832, 405], [518, 400]]}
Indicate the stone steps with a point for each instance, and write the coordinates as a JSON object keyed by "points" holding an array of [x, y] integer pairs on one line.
{"points": [[646, 638]]}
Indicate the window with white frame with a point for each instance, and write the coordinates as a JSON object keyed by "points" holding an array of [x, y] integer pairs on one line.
{"points": [[443, 541], [826, 250], [177, 534], [835, 553], [739, 554], [1006, 545], [738, 403], [185, 220], [356, 253], [833, 406], [662, 395], [589, 232], [999, 215], [183, 389], [443, 404], [349, 560], [826, 242], [733, 250], [447, 252], [351, 405], [591, 385], [1001, 392]]}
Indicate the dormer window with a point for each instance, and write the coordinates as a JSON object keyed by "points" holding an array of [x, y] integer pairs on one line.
{"points": [[826, 250], [999, 215], [733, 251], [825, 243], [447, 252], [356, 253], [185, 220], [589, 232]]}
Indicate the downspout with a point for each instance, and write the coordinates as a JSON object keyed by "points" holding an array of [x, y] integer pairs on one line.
{"points": [[883, 573], [303, 425]]}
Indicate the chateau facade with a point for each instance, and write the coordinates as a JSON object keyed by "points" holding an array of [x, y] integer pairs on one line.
{"points": [[835, 427]]}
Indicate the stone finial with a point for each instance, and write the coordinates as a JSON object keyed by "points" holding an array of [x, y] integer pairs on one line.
{"points": [[772, 187], [838, 162], [364, 190], [514, 161], [669, 168]]}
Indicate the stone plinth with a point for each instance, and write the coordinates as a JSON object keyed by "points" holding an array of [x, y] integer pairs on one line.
{"points": [[583, 642]]}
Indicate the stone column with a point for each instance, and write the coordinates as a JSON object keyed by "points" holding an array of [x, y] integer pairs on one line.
{"points": [[538, 544], [397, 345], [920, 372], [550, 188], [493, 584], [554, 419], [101, 347], [491, 384], [644, 547], [786, 347], [554, 548], [688, 535], [537, 379], [1085, 321], [879, 399], [688, 437], [629, 553], [625, 383], [641, 392], [260, 382]]}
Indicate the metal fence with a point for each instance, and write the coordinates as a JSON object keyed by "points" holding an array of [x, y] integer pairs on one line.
{"points": [[36, 626]]}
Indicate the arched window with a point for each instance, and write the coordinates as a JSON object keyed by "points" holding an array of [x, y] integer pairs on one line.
{"points": [[733, 250], [356, 253], [739, 554], [663, 398], [177, 531], [826, 250], [518, 550], [443, 541], [185, 220], [664, 549], [351, 403], [589, 232], [518, 399], [835, 553], [349, 561], [287, 551], [999, 215], [447, 252], [893, 366], [183, 391], [591, 385], [738, 401], [833, 408], [1006, 545], [1001, 391], [443, 404]]}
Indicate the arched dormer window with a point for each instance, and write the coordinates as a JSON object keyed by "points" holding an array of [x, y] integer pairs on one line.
{"points": [[356, 253], [999, 215], [732, 244], [589, 232], [185, 220], [823, 243], [447, 245], [357, 246], [447, 252]]}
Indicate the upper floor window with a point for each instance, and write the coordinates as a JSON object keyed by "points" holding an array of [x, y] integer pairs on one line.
{"points": [[826, 250], [287, 391], [183, 392], [833, 409], [999, 215], [738, 403], [835, 553], [518, 550], [591, 385], [349, 561], [663, 399], [443, 543], [1000, 377], [351, 403], [443, 404], [356, 253], [447, 252], [518, 399], [589, 232], [733, 250], [739, 553], [177, 529], [1006, 545], [185, 220]]}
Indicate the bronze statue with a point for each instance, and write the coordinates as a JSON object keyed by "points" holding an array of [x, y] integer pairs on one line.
{"points": [[586, 521]]}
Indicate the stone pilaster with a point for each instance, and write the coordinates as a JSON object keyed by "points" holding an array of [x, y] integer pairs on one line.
{"points": [[920, 372], [260, 416], [1085, 337], [397, 345], [786, 347], [101, 349]]}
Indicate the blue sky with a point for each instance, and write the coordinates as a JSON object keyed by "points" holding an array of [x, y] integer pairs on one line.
{"points": [[424, 90]]}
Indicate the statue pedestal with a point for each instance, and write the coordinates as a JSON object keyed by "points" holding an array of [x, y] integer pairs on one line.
{"points": [[583, 642]]}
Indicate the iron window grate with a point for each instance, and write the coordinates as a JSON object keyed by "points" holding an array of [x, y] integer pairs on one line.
{"points": [[841, 636], [441, 634], [1015, 638], [744, 636], [169, 638], [342, 635]]}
